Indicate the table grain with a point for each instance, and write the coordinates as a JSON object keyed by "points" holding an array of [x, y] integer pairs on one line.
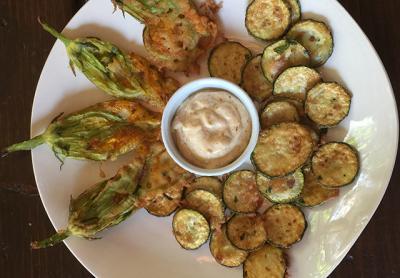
{"points": [[23, 51]]}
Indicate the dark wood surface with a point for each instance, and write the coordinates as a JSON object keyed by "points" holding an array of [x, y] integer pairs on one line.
{"points": [[23, 51]]}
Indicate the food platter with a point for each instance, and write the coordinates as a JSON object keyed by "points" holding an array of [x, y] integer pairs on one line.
{"points": [[144, 246]]}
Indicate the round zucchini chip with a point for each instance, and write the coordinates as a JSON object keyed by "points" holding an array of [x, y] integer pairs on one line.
{"points": [[206, 183], [297, 103], [227, 61], [164, 205], [207, 204], [254, 81], [268, 261], [240, 192], [190, 228], [295, 10], [316, 37], [314, 193], [295, 82], [223, 251], [284, 224], [281, 55], [327, 104], [268, 19], [282, 149], [278, 112], [335, 164], [282, 189], [246, 232]]}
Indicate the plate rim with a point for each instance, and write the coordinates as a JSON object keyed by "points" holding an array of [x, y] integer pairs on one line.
{"points": [[394, 103], [77, 257], [379, 199]]}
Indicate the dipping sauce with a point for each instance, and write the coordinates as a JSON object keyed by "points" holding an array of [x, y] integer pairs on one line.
{"points": [[211, 128]]}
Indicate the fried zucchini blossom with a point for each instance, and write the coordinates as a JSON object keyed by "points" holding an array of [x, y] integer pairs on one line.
{"points": [[177, 33], [151, 176], [100, 132], [101, 206], [118, 74]]}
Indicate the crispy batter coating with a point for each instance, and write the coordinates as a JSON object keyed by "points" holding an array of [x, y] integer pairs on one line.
{"points": [[100, 132], [176, 32], [153, 82], [162, 177], [116, 73], [103, 205]]}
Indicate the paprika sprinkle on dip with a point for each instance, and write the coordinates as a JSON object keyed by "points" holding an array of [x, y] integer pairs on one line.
{"points": [[211, 128]]}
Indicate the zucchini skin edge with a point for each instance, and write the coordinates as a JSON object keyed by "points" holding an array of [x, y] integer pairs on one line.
{"points": [[355, 151], [300, 237]]}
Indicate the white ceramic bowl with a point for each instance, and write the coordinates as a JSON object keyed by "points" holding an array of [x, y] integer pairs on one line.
{"points": [[180, 96]]}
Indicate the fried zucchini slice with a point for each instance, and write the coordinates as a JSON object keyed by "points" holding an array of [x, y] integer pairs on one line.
{"points": [[282, 149], [190, 228], [281, 55], [223, 251], [315, 135], [161, 177], [314, 193], [268, 262], [227, 61], [316, 37], [254, 81], [278, 112], [297, 103], [267, 19], [240, 192], [295, 82], [207, 204], [246, 232], [164, 205], [327, 104], [211, 184], [295, 10], [284, 224], [335, 164], [283, 189]]}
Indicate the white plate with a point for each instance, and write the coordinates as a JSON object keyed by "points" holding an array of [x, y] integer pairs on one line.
{"points": [[143, 246]]}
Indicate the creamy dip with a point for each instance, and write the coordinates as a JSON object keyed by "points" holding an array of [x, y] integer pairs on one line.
{"points": [[211, 128]]}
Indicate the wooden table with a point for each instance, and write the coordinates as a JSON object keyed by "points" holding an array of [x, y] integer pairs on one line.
{"points": [[23, 50]]}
